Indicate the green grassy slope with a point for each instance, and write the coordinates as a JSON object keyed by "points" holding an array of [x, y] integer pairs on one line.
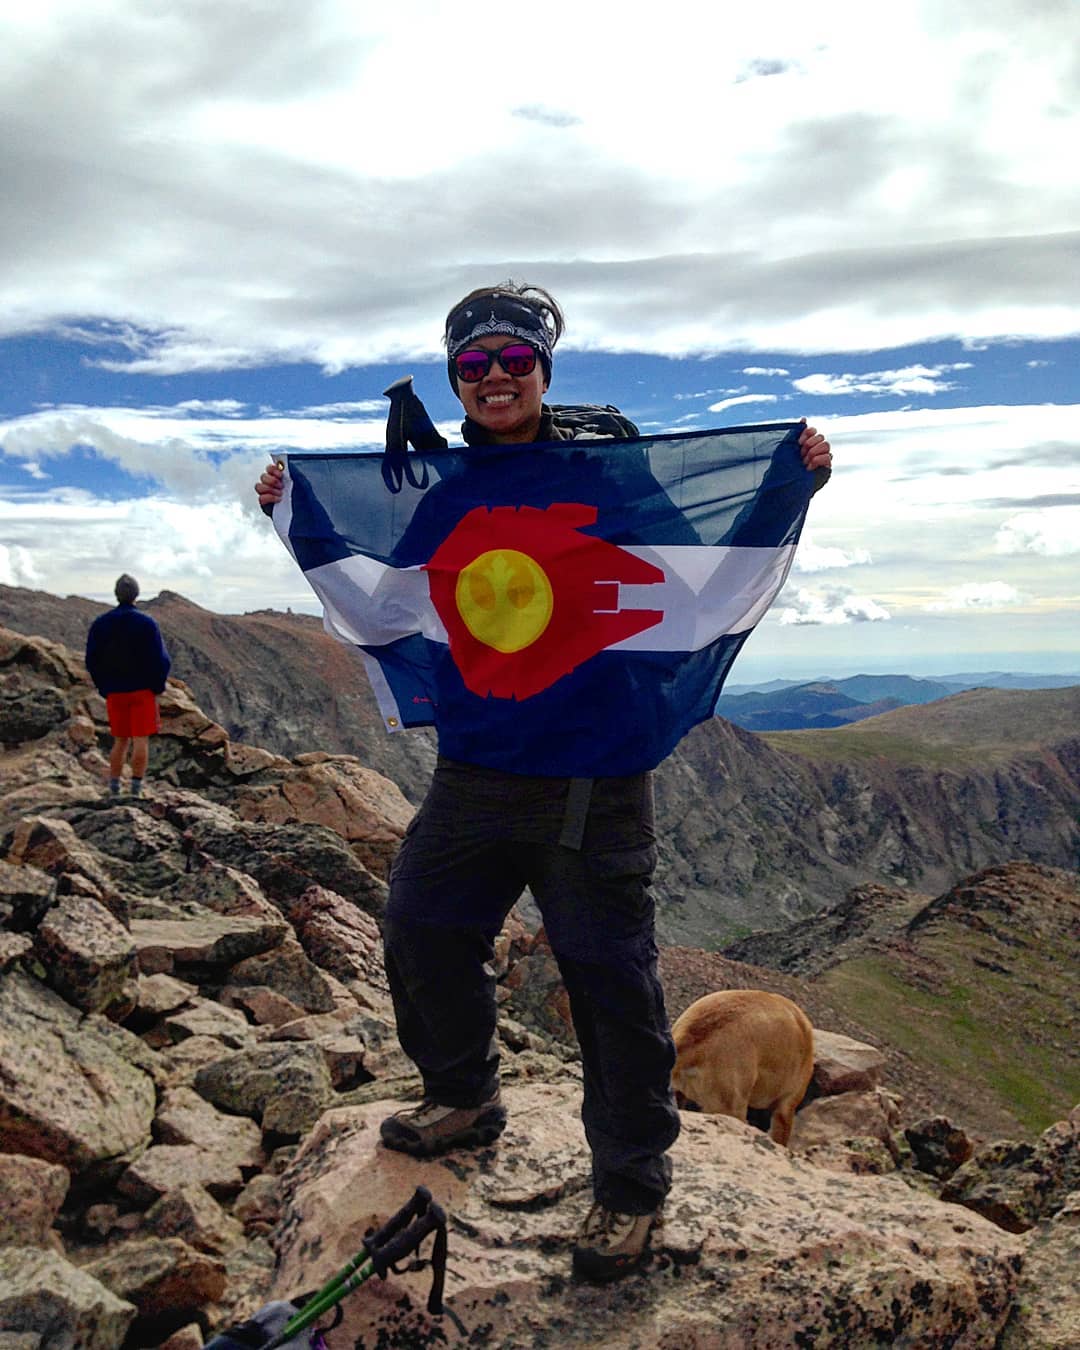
{"points": [[975, 727], [984, 988]]}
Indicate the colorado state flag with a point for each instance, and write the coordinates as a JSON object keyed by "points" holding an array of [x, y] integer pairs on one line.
{"points": [[569, 609]]}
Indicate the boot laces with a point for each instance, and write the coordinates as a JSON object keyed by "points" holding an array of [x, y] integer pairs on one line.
{"points": [[606, 1223]]}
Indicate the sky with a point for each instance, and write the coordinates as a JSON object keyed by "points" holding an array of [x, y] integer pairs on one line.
{"points": [[226, 228]]}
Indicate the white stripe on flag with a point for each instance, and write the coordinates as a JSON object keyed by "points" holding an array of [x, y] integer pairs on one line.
{"points": [[369, 603], [706, 594]]}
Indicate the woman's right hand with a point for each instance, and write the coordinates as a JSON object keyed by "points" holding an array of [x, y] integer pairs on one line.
{"points": [[269, 487]]}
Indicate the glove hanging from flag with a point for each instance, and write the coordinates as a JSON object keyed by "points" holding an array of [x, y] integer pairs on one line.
{"points": [[568, 609]]}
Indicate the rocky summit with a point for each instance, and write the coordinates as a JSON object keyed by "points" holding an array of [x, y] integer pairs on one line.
{"points": [[196, 1050]]}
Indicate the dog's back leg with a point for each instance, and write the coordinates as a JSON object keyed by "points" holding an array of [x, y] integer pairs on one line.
{"points": [[783, 1119]]}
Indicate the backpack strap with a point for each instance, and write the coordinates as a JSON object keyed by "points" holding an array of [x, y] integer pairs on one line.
{"points": [[594, 419]]}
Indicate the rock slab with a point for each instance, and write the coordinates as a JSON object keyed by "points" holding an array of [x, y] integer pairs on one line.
{"points": [[758, 1250]]}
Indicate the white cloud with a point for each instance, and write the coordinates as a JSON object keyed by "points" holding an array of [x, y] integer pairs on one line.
{"points": [[1052, 533], [209, 551], [549, 117], [344, 409], [184, 212], [742, 398], [216, 212], [189, 454], [813, 557], [762, 67], [831, 606], [17, 566], [896, 471], [219, 407], [710, 393], [909, 380], [978, 595]]}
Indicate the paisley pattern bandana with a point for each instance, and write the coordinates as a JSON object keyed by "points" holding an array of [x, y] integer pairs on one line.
{"points": [[494, 316]]}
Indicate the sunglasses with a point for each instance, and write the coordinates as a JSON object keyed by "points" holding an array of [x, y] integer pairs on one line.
{"points": [[516, 358]]}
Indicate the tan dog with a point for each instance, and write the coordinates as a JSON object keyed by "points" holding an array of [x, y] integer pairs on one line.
{"points": [[743, 1048]]}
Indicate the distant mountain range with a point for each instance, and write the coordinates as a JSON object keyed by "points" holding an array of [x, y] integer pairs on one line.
{"points": [[755, 830], [792, 705]]}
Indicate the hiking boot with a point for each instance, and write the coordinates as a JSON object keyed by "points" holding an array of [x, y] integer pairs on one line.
{"points": [[429, 1128], [611, 1245]]}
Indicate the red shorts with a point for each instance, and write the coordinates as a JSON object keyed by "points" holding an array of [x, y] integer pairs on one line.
{"points": [[134, 714]]}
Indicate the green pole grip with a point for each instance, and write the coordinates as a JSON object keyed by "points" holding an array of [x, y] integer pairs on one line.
{"points": [[323, 1301]]}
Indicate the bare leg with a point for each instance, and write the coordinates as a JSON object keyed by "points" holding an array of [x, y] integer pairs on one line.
{"points": [[140, 755], [118, 755]]}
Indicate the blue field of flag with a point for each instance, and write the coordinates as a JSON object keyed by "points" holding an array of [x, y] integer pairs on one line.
{"points": [[566, 609]]}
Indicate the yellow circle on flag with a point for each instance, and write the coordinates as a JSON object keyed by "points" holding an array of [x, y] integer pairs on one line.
{"points": [[505, 599]]}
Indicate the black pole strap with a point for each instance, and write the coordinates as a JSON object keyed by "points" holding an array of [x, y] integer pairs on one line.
{"points": [[407, 423], [385, 1255], [419, 1204]]}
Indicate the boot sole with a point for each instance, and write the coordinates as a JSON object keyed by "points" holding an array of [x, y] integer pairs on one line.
{"points": [[478, 1135], [604, 1270]]}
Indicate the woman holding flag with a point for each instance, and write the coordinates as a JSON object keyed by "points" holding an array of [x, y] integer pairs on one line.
{"points": [[583, 843]]}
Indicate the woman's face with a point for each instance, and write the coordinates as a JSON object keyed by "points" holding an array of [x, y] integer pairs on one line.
{"points": [[507, 406]]}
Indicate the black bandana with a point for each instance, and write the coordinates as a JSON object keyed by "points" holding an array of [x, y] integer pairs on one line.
{"points": [[495, 316]]}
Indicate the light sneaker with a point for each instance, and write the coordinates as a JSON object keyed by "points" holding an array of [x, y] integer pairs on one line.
{"points": [[429, 1128], [611, 1245]]}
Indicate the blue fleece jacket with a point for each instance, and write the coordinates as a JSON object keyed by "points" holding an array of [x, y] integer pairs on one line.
{"points": [[124, 652]]}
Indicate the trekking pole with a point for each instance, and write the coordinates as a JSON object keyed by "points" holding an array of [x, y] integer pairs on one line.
{"points": [[402, 1233]]}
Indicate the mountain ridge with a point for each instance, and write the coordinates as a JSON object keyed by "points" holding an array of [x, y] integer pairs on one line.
{"points": [[826, 703], [754, 830], [984, 971], [984, 679]]}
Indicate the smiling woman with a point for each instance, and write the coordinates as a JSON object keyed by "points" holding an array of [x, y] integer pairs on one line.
{"points": [[529, 609], [499, 342]]}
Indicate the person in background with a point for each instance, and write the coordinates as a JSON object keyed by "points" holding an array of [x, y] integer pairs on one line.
{"points": [[128, 662], [585, 846]]}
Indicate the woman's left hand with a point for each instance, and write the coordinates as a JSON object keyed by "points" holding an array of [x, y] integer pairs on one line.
{"points": [[815, 449]]}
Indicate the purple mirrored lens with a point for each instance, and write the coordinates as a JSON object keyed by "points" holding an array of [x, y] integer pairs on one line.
{"points": [[472, 366], [517, 359]]}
